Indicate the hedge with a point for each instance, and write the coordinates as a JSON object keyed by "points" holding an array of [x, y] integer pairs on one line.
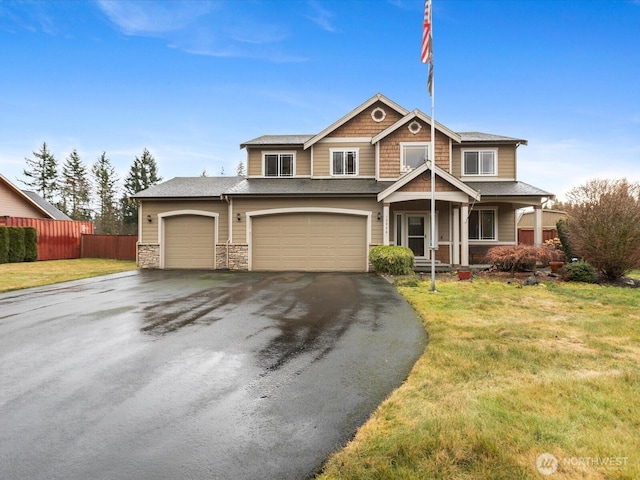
{"points": [[30, 244], [4, 244], [18, 244]]}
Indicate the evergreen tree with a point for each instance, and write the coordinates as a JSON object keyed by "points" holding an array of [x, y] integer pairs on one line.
{"points": [[75, 188], [142, 175], [105, 179], [240, 171], [43, 172]]}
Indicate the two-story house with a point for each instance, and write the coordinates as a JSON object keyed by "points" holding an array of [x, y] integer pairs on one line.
{"points": [[319, 202]]}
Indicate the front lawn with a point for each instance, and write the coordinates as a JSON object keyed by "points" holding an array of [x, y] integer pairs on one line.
{"points": [[15, 276], [511, 373]]}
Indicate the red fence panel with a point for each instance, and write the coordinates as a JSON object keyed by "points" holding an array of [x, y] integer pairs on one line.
{"points": [[57, 239], [118, 247]]}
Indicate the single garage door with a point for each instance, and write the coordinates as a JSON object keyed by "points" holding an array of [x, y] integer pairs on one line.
{"points": [[189, 242], [309, 242]]}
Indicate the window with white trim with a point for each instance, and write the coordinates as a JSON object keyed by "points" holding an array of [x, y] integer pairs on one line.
{"points": [[413, 155], [479, 162], [482, 224], [278, 164], [344, 162]]}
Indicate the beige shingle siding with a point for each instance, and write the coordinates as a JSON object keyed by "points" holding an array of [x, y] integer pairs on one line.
{"points": [[154, 207], [390, 155], [364, 126], [244, 205]]}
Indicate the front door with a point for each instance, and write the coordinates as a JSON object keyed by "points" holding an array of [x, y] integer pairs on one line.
{"points": [[417, 235]]}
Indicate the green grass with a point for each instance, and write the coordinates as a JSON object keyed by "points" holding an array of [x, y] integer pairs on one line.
{"points": [[15, 276], [510, 373]]}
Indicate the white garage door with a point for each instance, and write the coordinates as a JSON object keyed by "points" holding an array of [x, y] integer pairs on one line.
{"points": [[189, 242], [309, 242]]}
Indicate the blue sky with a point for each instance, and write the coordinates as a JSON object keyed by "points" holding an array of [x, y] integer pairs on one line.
{"points": [[191, 80]]}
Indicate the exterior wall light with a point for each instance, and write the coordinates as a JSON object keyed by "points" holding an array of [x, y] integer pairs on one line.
{"points": [[379, 216], [239, 217], [149, 219]]}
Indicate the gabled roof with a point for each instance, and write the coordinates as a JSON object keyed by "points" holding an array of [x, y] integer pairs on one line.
{"points": [[419, 171], [376, 98], [190, 187], [35, 201], [276, 140], [51, 210], [308, 187], [410, 116]]}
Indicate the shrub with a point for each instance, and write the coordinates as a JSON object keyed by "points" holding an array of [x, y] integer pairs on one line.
{"points": [[580, 271], [392, 260], [30, 244], [555, 249], [512, 258], [16, 245], [4, 244], [563, 236]]}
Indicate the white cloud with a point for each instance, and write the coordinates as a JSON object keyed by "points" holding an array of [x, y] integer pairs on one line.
{"points": [[209, 28], [321, 16], [153, 18], [560, 165]]}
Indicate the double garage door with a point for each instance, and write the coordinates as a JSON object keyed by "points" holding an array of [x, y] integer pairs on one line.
{"points": [[189, 242], [296, 241], [309, 242]]}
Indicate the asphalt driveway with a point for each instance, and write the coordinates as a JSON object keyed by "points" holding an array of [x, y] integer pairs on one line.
{"points": [[195, 375]]}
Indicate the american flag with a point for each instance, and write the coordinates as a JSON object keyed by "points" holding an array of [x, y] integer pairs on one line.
{"points": [[427, 44], [426, 33]]}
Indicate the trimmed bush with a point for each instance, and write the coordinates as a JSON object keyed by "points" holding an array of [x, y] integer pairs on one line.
{"points": [[16, 244], [580, 271], [30, 244], [518, 258], [392, 260], [4, 244]]}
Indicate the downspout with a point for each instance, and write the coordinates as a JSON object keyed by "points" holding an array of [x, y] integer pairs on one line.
{"points": [[229, 225]]}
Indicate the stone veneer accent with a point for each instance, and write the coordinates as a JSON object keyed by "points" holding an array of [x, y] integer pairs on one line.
{"points": [[232, 256], [148, 255]]}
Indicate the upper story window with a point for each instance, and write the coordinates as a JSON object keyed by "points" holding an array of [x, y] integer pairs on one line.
{"points": [[479, 162], [482, 225], [413, 155], [278, 164], [344, 162]]}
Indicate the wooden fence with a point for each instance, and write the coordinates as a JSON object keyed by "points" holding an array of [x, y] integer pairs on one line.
{"points": [[57, 239], [525, 236], [118, 247]]}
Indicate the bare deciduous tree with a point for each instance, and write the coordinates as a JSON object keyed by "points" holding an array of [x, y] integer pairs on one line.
{"points": [[604, 225]]}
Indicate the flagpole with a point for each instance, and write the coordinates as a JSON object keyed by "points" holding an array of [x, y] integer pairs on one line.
{"points": [[427, 57], [433, 238]]}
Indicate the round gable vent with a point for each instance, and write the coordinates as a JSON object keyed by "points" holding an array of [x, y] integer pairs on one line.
{"points": [[378, 114], [414, 127]]}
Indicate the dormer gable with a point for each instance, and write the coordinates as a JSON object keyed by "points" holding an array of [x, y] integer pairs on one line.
{"points": [[378, 104]]}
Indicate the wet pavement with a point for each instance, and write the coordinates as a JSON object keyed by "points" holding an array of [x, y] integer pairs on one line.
{"points": [[195, 375]]}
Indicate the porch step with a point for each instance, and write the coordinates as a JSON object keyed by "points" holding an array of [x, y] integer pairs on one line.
{"points": [[424, 265]]}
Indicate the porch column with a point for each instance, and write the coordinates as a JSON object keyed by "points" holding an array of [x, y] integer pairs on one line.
{"points": [[537, 225], [464, 234], [456, 235], [385, 224]]}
